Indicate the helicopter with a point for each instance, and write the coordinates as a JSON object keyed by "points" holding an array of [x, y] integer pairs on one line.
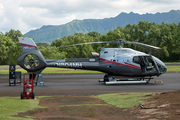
{"points": [[121, 65]]}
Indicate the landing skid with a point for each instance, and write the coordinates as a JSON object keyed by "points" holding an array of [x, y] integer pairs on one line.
{"points": [[125, 82], [111, 80]]}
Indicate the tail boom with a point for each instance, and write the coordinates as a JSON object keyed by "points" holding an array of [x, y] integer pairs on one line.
{"points": [[77, 63]]}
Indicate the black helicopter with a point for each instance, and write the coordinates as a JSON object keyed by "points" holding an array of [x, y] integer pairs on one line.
{"points": [[119, 64]]}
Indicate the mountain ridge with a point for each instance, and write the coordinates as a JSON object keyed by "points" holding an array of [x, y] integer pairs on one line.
{"points": [[48, 33]]}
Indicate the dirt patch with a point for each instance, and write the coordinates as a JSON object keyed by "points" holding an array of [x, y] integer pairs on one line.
{"points": [[69, 100], [163, 106], [89, 112], [83, 108]]}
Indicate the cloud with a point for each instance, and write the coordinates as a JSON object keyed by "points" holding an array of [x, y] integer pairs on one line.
{"points": [[161, 1], [25, 15]]}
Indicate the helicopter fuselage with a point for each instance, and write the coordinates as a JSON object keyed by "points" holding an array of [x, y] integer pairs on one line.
{"points": [[116, 61], [112, 61]]}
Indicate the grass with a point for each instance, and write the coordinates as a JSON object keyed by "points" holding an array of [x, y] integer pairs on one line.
{"points": [[66, 71], [171, 62], [55, 71], [4, 65], [173, 69], [13, 105], [72, 71], [79, 71], [123, 100]]}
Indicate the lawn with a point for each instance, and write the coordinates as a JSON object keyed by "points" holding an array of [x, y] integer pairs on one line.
{"points": [[171, 69], [13, 105], [54, 71], [123, 100]]}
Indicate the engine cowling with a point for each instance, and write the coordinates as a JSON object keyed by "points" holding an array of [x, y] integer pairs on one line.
{"points": [[94, 54]]}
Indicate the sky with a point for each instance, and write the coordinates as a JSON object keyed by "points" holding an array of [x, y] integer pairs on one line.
{"points": [[26, 15]]}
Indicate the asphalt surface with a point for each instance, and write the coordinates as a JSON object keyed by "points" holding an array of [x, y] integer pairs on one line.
{"points": [[87, 84]]}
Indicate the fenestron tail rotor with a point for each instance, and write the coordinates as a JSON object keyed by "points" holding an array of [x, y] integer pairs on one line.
{"points": [[31, 61]]}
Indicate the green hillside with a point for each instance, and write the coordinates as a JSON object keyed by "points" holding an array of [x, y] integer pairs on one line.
{"points": [[52, 32]]}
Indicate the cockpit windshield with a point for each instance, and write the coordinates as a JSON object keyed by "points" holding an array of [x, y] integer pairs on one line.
{"points": [[147, 60], [150, 64]]}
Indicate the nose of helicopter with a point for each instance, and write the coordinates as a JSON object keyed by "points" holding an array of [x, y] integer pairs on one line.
{"points": [[162, 67]]}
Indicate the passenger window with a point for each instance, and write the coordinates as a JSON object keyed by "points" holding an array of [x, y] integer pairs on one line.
{"points": [[106, 52], [136, 59]]}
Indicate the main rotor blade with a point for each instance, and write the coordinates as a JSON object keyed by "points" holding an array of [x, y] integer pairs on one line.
{"points": [[85, 43], [143, 45], [119, 41]]}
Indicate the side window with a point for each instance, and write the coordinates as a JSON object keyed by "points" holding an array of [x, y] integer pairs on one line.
{"points": [[136, 59]]}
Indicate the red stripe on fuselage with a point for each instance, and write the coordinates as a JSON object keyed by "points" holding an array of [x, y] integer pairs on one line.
{"points": [[26, 45], [116, 63]]}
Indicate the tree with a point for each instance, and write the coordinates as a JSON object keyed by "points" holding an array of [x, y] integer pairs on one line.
{"points": [[10, 48], [166, 36], [51, 53]]}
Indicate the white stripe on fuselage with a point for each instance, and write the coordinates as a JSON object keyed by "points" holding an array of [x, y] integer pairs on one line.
{"points": [[69, 65]]}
